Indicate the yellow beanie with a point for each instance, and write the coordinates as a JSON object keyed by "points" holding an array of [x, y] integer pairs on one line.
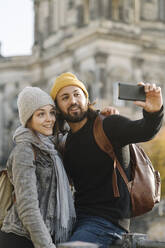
{"points": [[66, 79]]}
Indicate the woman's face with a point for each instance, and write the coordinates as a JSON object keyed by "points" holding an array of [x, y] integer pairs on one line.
{"points": [[43, 120]]}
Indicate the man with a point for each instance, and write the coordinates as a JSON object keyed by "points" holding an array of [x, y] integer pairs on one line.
{"points": [[101, 217]]}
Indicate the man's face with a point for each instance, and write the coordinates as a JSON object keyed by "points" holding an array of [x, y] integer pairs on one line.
{"points": [[72, 103]]}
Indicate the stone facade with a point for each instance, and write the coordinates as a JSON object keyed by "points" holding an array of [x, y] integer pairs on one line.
{"points": [[102, 42]]}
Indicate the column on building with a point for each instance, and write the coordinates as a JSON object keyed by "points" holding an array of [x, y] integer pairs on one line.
{"points": [[100, 5], [136, 11], [115, 9], [36, 23], [58, 14], [90, 79], [42, 19], [101, 80], [62, 12], [137, 68], [86, 11], [54, 10], [93, 12]]}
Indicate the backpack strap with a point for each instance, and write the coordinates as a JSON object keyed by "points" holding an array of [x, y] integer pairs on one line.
{"points": [[105, 145]]}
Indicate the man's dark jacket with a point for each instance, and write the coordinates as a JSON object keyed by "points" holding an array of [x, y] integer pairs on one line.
{"points": [[91, 169]]}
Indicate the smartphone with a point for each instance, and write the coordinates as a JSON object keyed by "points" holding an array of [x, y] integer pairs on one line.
{"points": [[131, 92]]}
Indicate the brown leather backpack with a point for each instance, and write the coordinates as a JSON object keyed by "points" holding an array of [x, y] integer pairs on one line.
{"points": [[7, 195], [144, 187]]}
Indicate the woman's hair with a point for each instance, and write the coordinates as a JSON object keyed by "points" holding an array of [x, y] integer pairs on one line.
{"points": [[28, 122], [61, 125], [28, 125]]}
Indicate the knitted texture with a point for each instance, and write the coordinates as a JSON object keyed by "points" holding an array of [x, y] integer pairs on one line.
{"points": [[66, 79], [29, 100]]}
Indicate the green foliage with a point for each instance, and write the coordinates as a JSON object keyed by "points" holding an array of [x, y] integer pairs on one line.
{"points": [[156, 152]]}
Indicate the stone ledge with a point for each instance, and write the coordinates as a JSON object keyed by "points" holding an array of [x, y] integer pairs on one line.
{"points": [[129, 240]]}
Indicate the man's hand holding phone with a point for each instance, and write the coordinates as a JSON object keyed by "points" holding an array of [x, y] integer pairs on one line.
{"points": [[148, 96], [154, 101]]}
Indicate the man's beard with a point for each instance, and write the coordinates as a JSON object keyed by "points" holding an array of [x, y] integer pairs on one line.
{"points": [[75, 117]]}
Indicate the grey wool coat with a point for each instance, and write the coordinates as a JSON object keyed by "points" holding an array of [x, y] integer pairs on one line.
{"points": [[34, 180]]}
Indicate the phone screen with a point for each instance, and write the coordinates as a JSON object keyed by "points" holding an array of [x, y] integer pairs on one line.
{"points": [[131, 92]]}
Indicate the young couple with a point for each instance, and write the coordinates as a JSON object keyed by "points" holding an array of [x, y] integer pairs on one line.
{"points": [[43, 214]]}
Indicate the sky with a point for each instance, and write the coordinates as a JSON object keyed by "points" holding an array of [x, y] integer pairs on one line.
{"points": [[16, 27]]}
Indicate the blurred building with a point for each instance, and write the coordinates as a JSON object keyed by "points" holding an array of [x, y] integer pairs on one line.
{"points": [[102, 41]]}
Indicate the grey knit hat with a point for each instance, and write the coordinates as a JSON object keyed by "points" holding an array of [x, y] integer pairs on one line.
{"points": [[29, 100]]}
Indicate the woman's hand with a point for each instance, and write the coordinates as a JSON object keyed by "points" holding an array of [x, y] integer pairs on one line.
{"points": [[109, 111]]}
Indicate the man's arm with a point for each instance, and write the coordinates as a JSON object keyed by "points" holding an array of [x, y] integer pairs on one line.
{"points": [[123, 131]]}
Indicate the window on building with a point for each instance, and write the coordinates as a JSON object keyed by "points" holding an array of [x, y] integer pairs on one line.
{"points": [[71, 4], [80, 15], [86, 11], [83, 13], [149, 10]]}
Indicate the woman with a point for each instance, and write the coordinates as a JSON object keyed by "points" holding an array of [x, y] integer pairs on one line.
{"points": [[43, 213]]}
